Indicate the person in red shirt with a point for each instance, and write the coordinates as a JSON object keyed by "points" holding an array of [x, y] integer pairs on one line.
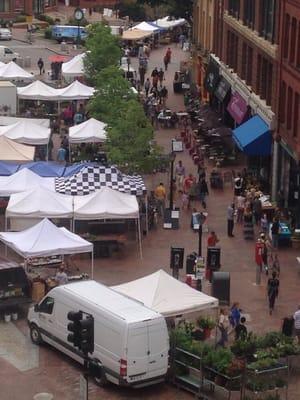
{"points": [[212, 239], [187, 183]]}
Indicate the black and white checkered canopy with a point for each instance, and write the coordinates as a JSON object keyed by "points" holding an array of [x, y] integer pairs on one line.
{"points": [[89, 179]]}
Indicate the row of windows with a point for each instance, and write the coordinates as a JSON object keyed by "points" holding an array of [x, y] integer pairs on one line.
{"points": [[266, 15], [291, 48], [261, 78], [4, 5], [290, 108]]}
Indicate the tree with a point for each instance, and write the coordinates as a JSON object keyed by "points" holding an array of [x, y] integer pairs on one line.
{"points": [[103, 50]]}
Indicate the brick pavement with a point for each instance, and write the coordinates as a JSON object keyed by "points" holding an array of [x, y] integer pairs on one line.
{"points": [[59, 375]]}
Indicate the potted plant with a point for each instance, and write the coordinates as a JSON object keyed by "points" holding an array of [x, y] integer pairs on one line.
{"points": [[206, 324]]}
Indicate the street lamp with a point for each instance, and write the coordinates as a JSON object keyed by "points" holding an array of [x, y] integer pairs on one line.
{"points": [[172, 159]]}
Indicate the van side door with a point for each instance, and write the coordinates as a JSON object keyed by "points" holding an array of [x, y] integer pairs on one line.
{"points": [[46, 317]]}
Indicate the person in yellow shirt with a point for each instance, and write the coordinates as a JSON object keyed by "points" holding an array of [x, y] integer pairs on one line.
{"points": [[160, 196]]}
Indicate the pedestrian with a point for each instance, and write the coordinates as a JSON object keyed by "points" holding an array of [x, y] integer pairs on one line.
{"points": [[265, 252], [240, 204], [264, 223], [161, 75], [223, 325], [181, 40], [166, 62], [164, 95], [235, 315], [257, 209], [187, 183], [275, 232], [248, 230], [238, 184], [147, 86], [230, 220], [184, 200], [203, 192], [40, 64], [169, 54], [272, 290], [160, 196], [212, 239], [61, 277], [142, 72], [297, 324], [240, 330], [179, 174], [154, 72]]}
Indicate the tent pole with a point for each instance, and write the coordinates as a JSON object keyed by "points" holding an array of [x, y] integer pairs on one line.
{"points": [[140, 238], [69, 150], [92, 255], [47, 152]]}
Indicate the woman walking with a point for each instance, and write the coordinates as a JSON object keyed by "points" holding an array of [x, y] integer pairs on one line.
{"points": [[223, 326]]}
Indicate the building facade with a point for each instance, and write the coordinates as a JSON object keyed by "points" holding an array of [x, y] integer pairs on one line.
{"points": [[9, 9], [288, 128]]}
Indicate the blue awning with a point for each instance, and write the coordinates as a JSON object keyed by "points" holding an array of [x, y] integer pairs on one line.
{"points": [[8, 168], [254, 137]]}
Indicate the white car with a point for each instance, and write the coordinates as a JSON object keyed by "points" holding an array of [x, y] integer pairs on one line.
{"points": [[5, 34]]}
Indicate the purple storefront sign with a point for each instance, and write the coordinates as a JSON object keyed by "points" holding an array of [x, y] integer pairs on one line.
{"points": [[237, 107]]}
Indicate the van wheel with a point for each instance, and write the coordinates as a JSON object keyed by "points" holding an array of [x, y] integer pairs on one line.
{"points": [[35, 334], [101, 380]]}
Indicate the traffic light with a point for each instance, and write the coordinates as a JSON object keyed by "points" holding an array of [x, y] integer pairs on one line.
{"points": [[87, 334], [74, 327]]}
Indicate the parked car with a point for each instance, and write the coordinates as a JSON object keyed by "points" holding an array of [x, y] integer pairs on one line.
{"points": [[5, 34], [131, 341], [7, 54]]}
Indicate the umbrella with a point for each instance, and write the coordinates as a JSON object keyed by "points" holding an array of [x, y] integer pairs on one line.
{"points": [[58, 58]]}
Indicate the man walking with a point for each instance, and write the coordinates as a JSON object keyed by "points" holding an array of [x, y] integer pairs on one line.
{"points": [[273, 290], [160, 196], [147, 86], [230, 220], [40, 64]]}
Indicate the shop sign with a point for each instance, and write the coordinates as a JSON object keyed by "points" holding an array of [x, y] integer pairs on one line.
{"points": [[222, 89], [237, 108], [212, 77]]}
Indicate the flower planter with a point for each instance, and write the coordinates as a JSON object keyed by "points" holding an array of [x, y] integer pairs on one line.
{"points": [[207, 333]]}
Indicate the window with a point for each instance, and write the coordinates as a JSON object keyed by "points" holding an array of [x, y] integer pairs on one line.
{"points": [[247, 61], [4, 5], [232, 50], [244, 61], [234, 8], [264, 79], [296, 124], [286, 36], [47, 305], [298, 47], [289, 107], [267, 30], [293, 41], [282, 98], [249, 13]]}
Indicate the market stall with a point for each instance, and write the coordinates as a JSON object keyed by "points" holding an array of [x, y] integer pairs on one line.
{"points": [[45, 239], [12, 71], [108, 204], [74, 67], [26, 132], [4, 120], [46, 169], [12, 151], [36, 204], [136, 34], [23, 180], [167, 295]]}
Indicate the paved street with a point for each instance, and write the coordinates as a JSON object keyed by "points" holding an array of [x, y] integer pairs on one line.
{"points": [[60, 376]]}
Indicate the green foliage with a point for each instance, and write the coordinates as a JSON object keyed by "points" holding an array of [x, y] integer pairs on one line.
{"points": [[206, 323], [48, 33], [133, 10], [103, 50], [245, 347], [20, 18], [219, 359], [46, 18]]}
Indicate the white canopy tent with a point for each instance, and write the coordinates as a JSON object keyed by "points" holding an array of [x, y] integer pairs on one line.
{"points": [[4, 121], [41, 91], [12, 151], [144, 26], [22, 181], [90, 131], [46, 239], [26, 132], [167, 295], [135, 34], [39, 203], [37, 90], [106, 204], [12, 71], [74, 67], [169, 23]]}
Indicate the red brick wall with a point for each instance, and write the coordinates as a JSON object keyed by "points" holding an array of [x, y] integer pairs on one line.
{"points": [[289, 75]]}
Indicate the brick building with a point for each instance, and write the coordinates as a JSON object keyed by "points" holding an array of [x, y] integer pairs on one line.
{"points": [[9, 9], [288, 129], [242, 74]]}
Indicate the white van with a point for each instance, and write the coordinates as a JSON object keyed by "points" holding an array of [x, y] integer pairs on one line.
{"points": [[7, 54], [131, 341]]}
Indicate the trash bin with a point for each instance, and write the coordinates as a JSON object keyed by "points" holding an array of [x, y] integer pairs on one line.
{"points": [[43, 396], [63, 46], [27, 62]]}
